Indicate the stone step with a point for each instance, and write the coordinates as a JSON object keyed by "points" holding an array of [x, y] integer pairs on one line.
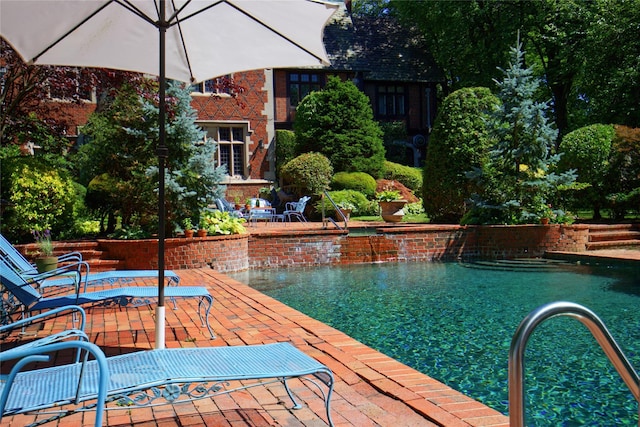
{"points": [[613, 244], [614, 235]]}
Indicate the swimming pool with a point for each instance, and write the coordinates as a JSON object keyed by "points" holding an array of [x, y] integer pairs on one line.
{"points": [[454, 322]]}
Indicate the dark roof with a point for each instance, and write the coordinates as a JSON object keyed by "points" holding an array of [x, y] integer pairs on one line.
{"points": [[380, 48]]}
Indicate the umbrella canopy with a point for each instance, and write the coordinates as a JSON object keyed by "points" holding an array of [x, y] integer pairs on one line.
{"points": [[185, 40]]}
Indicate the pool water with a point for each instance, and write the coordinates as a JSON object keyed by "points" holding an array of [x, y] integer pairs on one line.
{"points": [[454, 322]]}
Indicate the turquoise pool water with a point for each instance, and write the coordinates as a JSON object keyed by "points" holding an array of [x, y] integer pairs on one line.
{"points": [[454, 322]]}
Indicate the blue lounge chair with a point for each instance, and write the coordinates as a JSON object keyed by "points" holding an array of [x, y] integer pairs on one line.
{"points": [[149, 378], [74, 272], [22, 293], [296, 209]]}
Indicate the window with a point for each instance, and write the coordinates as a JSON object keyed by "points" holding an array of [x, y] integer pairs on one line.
{"points": [[231, 146], [301, 85], [69, 85], [213, 86], [391, 101]]}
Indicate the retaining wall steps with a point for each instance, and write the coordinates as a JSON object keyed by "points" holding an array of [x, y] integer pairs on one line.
{"points": [[618, 236]]}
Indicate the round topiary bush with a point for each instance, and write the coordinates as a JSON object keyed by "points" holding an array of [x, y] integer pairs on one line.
{"points": [[309, 173], [358, 181], [348, 199], [587, 150]]}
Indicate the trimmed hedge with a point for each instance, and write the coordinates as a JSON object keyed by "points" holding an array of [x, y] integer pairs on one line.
{"points": [[358, 181]]}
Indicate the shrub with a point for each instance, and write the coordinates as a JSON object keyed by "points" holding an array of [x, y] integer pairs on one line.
{"points": [[361, 205], [358, 181], [285, 148], [40, 198], [459, 142], [309, 173], [338, 122], [587, 150], [410, 177], [623, 191]]}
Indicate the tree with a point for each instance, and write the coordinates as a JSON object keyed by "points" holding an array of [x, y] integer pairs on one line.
{"points": [[338, 123], [518, 182], [587, 151], [26, 93], [574, 46], [129, 166], [459, 142]]}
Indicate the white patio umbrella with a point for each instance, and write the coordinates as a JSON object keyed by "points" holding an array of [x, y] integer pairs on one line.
{"points": [[185, 40]]}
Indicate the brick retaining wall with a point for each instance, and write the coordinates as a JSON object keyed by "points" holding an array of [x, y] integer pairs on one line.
{"points": [[284, 248]]}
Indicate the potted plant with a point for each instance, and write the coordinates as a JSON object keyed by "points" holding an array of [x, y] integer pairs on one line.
{"points": [[346, 208], [202, 226], [391, 206], [45, 260], [237, 203], [188, 227]]}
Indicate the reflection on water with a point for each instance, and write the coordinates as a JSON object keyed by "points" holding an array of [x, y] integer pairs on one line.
{"points": [[454, 323]]}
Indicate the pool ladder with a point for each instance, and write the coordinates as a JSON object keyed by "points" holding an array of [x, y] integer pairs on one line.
{"points": [[597, 329]]}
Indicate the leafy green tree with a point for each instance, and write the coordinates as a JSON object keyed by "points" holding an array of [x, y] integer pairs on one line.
{"points": [[518, 182], [587, 151], [611, 58], [623, 190], [459, 142], [574, 46], [338, 123]]}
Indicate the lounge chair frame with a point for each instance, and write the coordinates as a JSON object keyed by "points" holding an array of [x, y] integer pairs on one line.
{"points": [[19, 294], [151, 378]]}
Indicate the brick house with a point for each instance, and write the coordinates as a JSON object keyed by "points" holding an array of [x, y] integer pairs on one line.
{"points": [[388, 63]]}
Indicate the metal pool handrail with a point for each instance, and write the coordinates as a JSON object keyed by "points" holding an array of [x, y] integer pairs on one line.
{"points": [[597, 329]]}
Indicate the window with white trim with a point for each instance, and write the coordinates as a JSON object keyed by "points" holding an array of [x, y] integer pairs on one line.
{"points": [[232, 146], [212, 86]]}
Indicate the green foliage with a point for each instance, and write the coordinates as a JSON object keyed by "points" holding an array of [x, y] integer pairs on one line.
{"points": [[460, 141], [40, 197], [518, 178], [358, 181], [124, 175], [587, 151], [623, 191], [409, 176], [338, 122], [388, 196], [285, 148], [359, 202], [218, 222], [310, 173], [391, 132]]}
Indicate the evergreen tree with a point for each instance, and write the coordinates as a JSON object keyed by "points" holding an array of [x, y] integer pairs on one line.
{"points": [[519, 182], [124, 136], [338, 123]]}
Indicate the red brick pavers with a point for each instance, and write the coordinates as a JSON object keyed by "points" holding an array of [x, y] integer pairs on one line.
{"points": [[371, 389]]}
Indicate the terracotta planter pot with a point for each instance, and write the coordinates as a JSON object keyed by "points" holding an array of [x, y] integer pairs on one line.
{"points": [[392, 211], [46, 263], [202, 233], [188, 233], [346, 213], [544, 221]]}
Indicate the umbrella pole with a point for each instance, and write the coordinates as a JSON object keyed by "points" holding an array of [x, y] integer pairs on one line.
{"points": [[162, 156]]}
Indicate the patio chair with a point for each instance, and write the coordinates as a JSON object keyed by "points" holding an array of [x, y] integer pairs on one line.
{"points": [[68, 334], [225, 206], [296, 209], [73, 273], [22, 295], [149, 378]]}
